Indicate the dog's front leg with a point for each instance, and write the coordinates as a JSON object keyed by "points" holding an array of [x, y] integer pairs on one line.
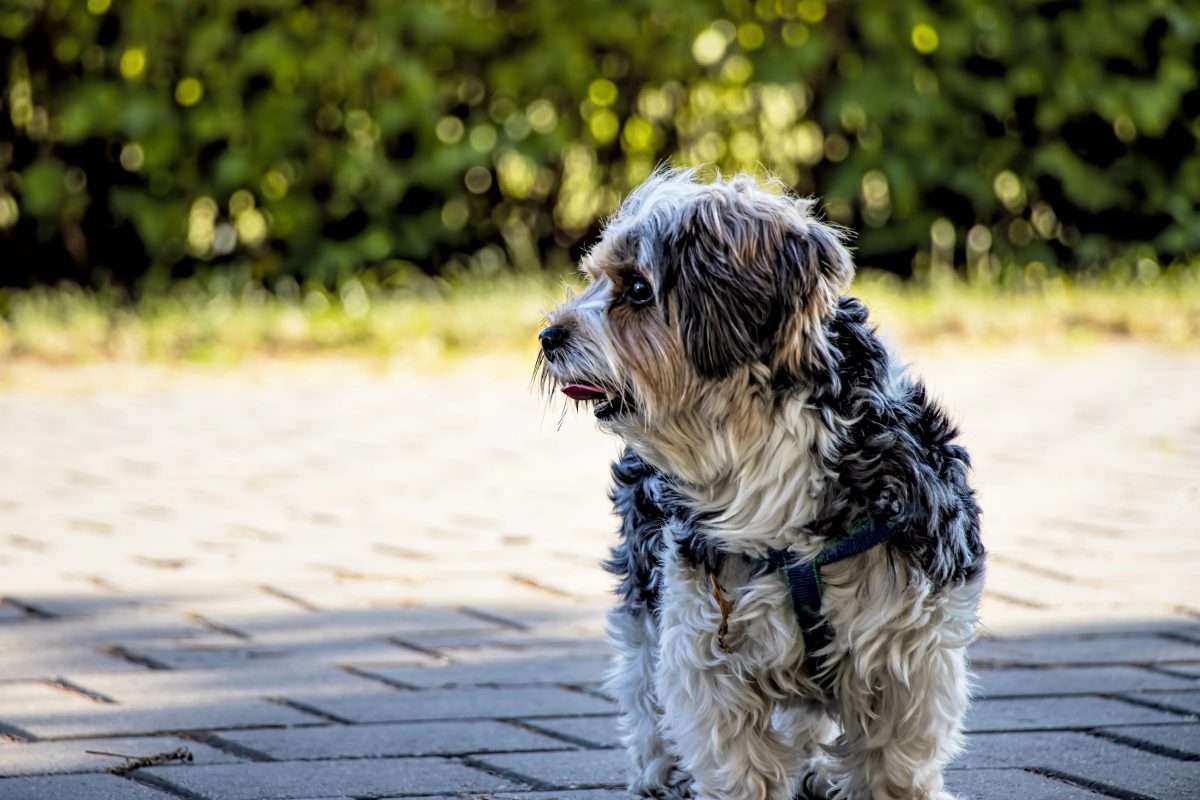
{"points": [[714, 714], [895, 745], [807, 729], [634, 631], [901, 720]]}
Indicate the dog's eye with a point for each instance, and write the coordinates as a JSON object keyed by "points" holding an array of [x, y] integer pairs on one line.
{"points": [[639, 292]]}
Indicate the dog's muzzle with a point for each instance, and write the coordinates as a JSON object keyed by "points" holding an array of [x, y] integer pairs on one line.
{"points": [[605, 402]]}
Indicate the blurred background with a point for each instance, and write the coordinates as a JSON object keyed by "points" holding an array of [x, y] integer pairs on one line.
{"points": [[207, 178], [271, 274]]}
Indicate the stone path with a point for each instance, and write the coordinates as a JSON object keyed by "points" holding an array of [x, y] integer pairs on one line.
{"points": [[339, 583]]}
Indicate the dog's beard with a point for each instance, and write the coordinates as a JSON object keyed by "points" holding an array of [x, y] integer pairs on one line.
{"points": [[608, 402]]}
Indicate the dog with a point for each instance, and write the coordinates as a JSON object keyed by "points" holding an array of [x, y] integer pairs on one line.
{"points": [[800, 560]]}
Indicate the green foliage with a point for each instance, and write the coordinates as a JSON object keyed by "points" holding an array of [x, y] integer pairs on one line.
{"points": [[148, 139]]}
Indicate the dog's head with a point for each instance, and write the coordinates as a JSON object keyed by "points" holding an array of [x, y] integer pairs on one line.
{"points": [[703, 301]]}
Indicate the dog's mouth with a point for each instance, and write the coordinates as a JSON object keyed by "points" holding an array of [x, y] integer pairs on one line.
{"points": [[605, 403]]}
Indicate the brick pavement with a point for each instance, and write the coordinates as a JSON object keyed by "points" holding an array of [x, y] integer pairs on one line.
{"points": [[339, 582]]}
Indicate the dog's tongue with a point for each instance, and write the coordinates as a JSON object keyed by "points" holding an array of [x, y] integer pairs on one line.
{"points": [[581, 391]]}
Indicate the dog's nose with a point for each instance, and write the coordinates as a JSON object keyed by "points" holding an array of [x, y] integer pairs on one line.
{"points": [[552, 338]]}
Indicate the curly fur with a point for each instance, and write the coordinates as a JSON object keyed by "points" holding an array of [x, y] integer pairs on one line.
{"points": [[761, 411]]}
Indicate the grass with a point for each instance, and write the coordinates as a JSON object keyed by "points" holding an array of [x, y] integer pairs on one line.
{"points": [[440, 323], [67, 325], [1056, 312]]}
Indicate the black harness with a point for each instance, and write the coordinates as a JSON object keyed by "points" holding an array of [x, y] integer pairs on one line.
{"points": [[806, 587]]}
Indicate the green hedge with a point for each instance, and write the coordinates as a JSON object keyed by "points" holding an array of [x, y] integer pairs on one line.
{"points": [[142, 140]]}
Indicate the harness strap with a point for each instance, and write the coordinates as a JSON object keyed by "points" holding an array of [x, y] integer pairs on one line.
{"points": [[806, 587]]}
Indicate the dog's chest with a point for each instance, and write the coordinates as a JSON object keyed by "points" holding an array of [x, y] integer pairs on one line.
{"points": [[743, 610], [738, 616]]}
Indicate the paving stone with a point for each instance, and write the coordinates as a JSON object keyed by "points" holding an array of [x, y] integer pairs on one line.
{"points": [[10, 613], [583, 617], [377, 777], [409, 739], [257, 680], [206, 655], [89, 601], [209, 602], [491, 648], [124, 513], [1004, 621], [70, 787], [1119, 650], [1088, 758], [1185, 702], [1060, 587], [1179, 738], [45, 662], [97, 630], [1059, 713], [400, 706], [1073, 680], [25, 702], [321, 626], [1190, 670], [569, 770], [596, 731], [558, 794], [1012, 784], [589, 584], [43, 758], [577, 794], [451, 586], [503, 672], [92, 720]]}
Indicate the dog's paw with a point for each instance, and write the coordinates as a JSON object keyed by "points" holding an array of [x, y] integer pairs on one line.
{"points": [[667, 793], [677, 785], [814, 785], [662, 792]]}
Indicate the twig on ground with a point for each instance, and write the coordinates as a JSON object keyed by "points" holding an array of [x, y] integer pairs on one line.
{"points": [[137, 762]]}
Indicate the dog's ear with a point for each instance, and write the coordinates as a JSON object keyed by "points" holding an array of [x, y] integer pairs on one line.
{"points": [[725, 310], [816, 255], [744, 281], [815, 252]]}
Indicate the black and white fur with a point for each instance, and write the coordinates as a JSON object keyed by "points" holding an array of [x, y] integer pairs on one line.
{"points": [[761, 411]]}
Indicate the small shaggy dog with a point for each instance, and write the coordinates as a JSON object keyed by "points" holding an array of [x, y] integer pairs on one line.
{"points": [[800, 560]]}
